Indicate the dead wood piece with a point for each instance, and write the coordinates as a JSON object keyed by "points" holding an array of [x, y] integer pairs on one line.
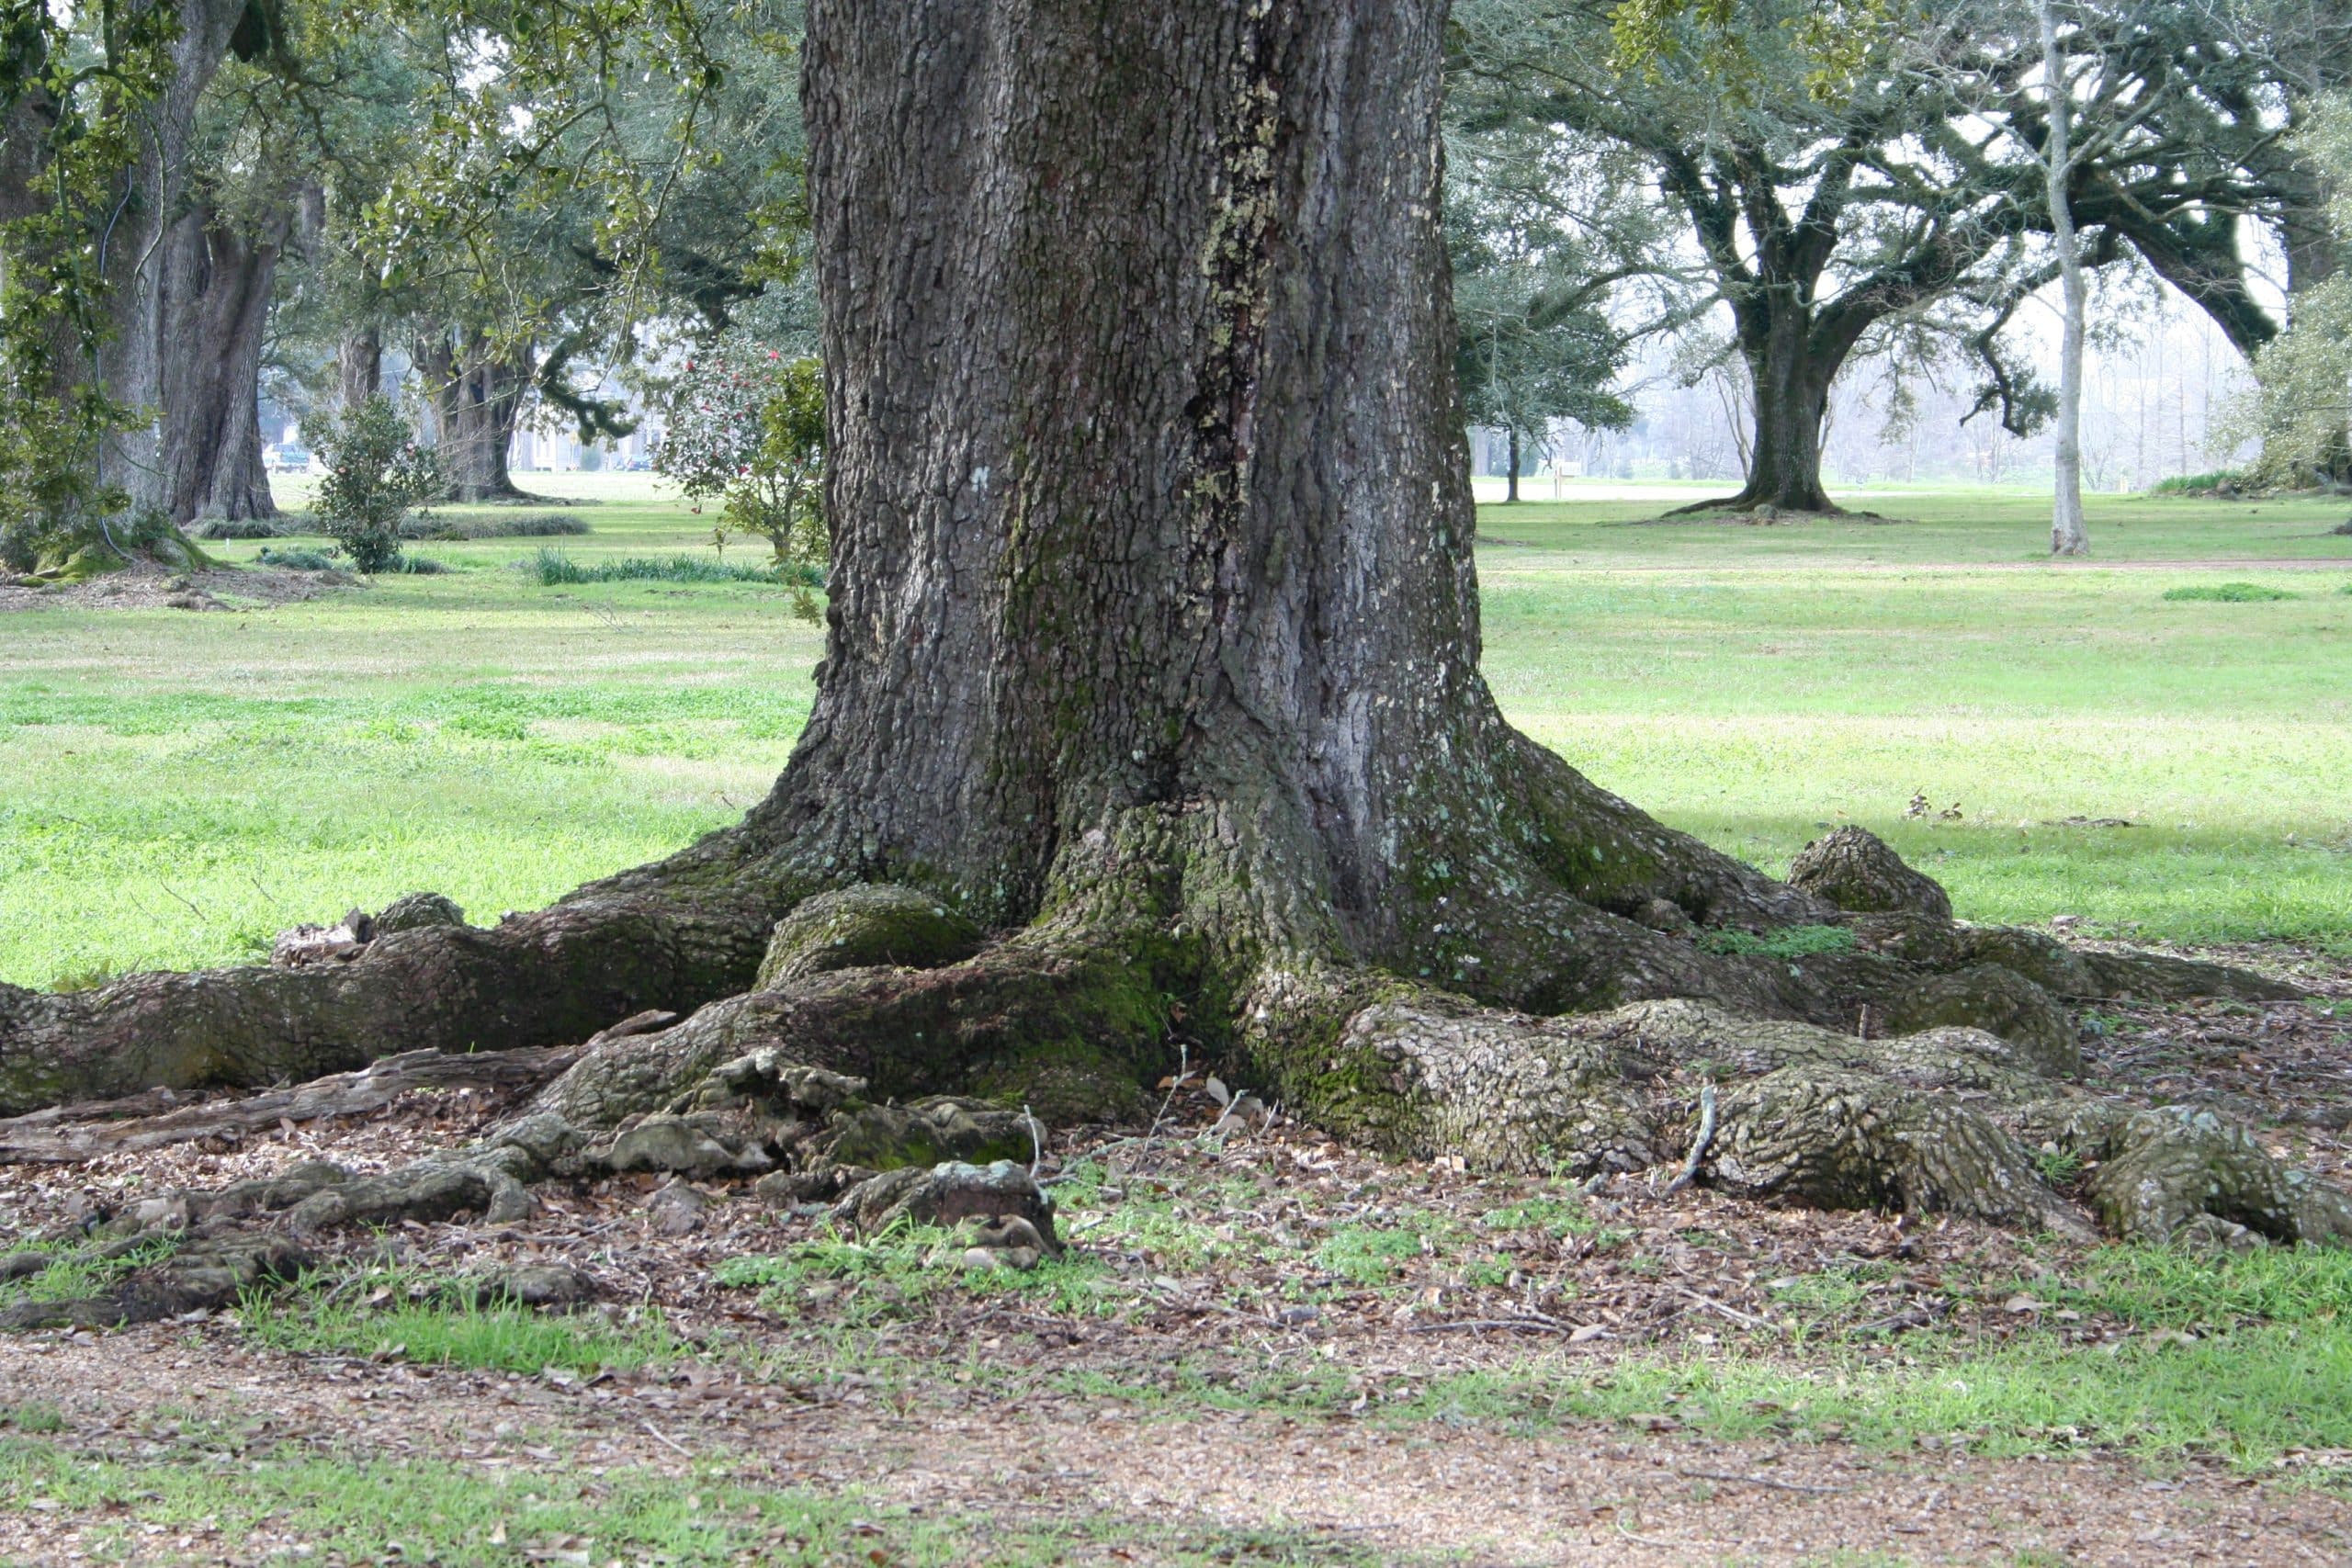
{"points": [[75, 1133]]}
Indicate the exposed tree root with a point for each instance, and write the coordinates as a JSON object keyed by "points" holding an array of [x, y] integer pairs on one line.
{"points": [[1920, 1065], [157, 1118]]}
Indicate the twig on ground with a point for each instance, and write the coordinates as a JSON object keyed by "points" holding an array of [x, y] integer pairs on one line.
{"points": [[175, 892], [1471, 1325], [658, 1436], [1699, 1145], [1762, 1481], [1733, 1313]]}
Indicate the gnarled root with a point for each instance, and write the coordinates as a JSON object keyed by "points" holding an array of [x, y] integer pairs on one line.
{"points": [[673, 936], [1914, 1068]]}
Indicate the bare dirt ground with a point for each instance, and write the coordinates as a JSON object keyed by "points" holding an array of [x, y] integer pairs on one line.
{"points": [[1240, 1338]]}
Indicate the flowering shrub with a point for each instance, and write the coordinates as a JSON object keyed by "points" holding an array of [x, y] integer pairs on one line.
{"points": [[747, 429], [375, 473]]}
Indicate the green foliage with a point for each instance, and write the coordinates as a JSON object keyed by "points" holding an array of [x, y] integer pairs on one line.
{"points": [[1783, 941], [746, 430], [553, 568], [1531, 247], [71, 109], [376, 472], [2226, 593], [2301, 400]]}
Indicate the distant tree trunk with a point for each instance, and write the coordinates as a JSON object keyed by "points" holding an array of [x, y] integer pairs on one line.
{"points": [[1511, 487], [217, 284], [477, 401], [359, 365], [1789, 385], [2068, 534], [154, 270]]}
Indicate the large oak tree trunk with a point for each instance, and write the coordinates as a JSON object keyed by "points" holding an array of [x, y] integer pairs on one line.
{"points": [[1151, 694], [155, 266], [476, 395], [215, 319]]}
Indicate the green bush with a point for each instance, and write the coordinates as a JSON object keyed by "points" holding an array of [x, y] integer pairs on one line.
{"points": [[418, 566], [2227, 594], [553, 568], [2202, 484], [375, 473]]}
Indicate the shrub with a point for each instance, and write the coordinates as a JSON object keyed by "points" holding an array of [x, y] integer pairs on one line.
{"points": [[375, 473], [2227, 594], [296, 560], [418, 566], [747, 429], [2203, 484], [553, 568]]}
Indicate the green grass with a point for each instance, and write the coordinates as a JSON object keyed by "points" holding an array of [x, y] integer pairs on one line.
{"points": [[414, 1510], [175, 788], [2227, 594], [390, 1313]]}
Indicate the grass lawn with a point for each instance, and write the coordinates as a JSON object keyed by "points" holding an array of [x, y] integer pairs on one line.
{"points": [[176, 787]]}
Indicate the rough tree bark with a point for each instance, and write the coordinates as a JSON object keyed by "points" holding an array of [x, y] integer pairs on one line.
{"points": [[476, 396], [215, 320], [1510, 490], [1151, 694], [359, 365], [154, 265]]}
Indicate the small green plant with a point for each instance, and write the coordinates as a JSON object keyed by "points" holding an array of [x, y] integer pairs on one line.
{"points": [[33, 1417], [2058, 1167], [407, 565], [376, 472], [2226, 593], [1786, 942], [1558, 1217]]}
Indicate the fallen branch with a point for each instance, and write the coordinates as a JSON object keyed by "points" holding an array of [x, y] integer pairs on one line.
{"points": [[72, 1133]]}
